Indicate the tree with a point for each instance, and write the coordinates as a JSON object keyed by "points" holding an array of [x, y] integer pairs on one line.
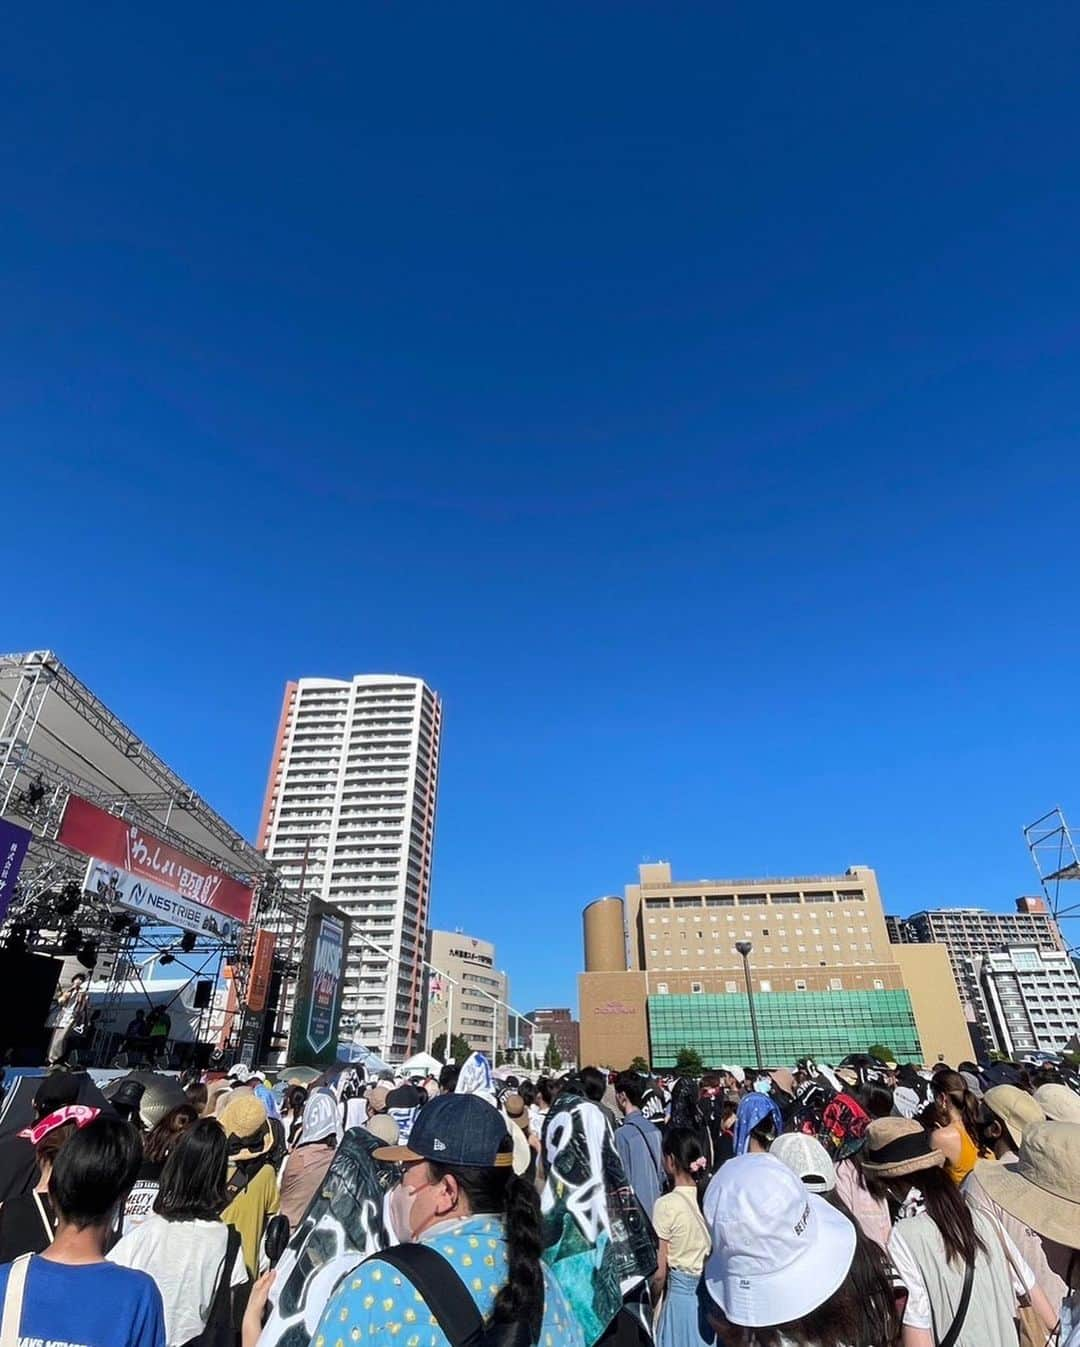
{"points": [[640, 1065], [881, 1053], [459, 1049], [552, 1055], [689, 1063]]}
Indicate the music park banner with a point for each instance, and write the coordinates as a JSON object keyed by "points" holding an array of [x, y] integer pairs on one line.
{"points": [[129, 847], [152, 900], [313, 1040]]}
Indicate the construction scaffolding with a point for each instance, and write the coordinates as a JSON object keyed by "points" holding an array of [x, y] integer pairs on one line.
{"points": [[1057, 862], [58, 739]]}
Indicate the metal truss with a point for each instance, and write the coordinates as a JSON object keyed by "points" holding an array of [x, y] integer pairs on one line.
{"points": [[39, 672], [1056, 861]]}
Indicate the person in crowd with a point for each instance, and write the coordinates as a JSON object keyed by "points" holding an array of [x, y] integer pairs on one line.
{"points": [[941, 1245], [1058, 1102], [954, 1118], [383, 1128], [538, 1111], [686, 1111], [157, 1143], [594, 1084], [292, 1113], [183, 1244], [71, 1294], [403, 1103], [251, 1186], [197, 1095], [1042, 1192], [757, 1123], [1006, 1112], [460, 1198], [783, 1265], [19, 1169], [638, 1142], [526, 1146], [684, 1241], [448, 1078], [70, 1011], [844, 1124], [308, 1162], [28, 1220]]}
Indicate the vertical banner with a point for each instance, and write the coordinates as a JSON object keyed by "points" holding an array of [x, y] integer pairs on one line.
{"points": [[262, 964], [313, 1035], [13, 843]]}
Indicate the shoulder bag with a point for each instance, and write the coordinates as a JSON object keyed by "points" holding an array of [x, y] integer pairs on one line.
{"points": [[449, 1299], [13, 1301], [949, 1340]]}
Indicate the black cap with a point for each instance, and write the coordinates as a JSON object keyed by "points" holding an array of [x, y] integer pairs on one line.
{"points": [[57, 1090]]}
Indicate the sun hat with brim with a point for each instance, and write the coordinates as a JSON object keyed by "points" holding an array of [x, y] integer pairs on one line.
{"points": [[807, 1159], [516, 1111], [779, 1250], [456, 1129], [245, 1124], [1014, 1109], [1043, 1188], [381, 1125], [898, 1146], [1058, 1102]]}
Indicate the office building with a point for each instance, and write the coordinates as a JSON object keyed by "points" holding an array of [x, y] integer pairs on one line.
{"points": [[1032, 998], [968, 934], [663, 972], [560, 1026], [466, 991], [349, 817]]}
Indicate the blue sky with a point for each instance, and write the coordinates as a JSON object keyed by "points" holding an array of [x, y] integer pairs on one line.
{"points": [[689, 395]]}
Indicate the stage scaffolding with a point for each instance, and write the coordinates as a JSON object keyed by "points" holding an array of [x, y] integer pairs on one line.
{"points": [[57, 739], [1056, 862]]}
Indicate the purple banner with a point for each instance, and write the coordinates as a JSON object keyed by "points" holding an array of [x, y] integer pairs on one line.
{"points": [[13, 843]]}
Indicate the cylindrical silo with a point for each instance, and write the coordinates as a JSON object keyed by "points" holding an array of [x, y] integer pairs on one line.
{"points": [[605, 936]]}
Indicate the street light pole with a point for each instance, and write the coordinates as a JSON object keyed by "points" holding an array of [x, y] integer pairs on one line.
{"points": [[744, 947]]}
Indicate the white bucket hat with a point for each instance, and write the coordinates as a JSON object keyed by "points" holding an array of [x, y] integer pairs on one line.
{"points": [[779, 1250]]}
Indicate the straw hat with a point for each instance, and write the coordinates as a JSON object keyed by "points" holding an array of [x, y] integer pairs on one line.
{"points": [[898, 1146], [381, 1125], [1058, 1103], [245, 1124], [1014, 1108], [1043, 1188], [516, 1111]]}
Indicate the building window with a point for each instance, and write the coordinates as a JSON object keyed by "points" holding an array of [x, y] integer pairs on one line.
{"points": [[697, 988], [764, 985], [800, 984], [730, 987], [661, 989], [836, 984], [879, 985]]}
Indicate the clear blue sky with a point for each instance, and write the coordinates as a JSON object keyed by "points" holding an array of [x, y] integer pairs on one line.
{"points": [[690, 394]]}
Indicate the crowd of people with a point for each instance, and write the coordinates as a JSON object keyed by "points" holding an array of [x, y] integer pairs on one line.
{"points": [[862, 1206]]}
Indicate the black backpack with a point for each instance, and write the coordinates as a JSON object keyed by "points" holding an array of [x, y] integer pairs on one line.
{"points": [[449, 1299]]}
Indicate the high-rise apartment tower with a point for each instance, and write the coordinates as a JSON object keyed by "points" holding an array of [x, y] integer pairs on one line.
{"points": [[349, 816]]}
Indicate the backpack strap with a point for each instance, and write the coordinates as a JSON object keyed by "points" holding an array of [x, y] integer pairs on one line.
{"points": [[13, 1301], [446, 1295], [962, 1308]]}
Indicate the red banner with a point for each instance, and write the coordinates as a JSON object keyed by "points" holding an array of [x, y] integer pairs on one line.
{"points": [[130, 847], [262, 963]]}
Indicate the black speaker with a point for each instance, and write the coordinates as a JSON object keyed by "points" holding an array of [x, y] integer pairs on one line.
{"points": [[23, 1033], [204, 991]]}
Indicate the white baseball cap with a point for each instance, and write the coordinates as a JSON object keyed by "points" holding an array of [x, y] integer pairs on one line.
{"points": [[807, 1159], [779, 1250]]}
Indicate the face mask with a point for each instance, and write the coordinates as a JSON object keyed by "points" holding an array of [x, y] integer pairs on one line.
{"points": [[401, 1204], [763, 1086]]}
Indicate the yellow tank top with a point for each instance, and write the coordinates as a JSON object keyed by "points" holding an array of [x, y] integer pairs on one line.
{"points": [[968, 1155]]}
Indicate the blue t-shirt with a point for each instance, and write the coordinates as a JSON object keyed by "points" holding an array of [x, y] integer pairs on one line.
{"points": [[88, 1305], [376, 1301]]}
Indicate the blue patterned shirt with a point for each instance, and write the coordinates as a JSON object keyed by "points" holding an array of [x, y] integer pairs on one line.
{"points": [[375, 1300]]}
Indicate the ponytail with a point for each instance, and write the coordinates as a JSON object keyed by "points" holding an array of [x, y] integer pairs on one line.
{"points": [[951, 1088], [682, 1145], [500, 1192]]}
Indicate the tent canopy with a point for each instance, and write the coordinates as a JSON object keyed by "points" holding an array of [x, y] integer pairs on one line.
{"points": [[421, 1064]]}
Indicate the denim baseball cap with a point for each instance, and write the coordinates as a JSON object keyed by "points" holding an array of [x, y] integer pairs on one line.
{"points": [[456, 1129]]}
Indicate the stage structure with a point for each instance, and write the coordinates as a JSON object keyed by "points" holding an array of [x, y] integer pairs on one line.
{"points": [[1057, 862], [72, 772]]}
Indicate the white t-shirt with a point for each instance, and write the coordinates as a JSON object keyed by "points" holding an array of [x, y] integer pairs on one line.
{"points": [[184, 1258], [917, 1314]]}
